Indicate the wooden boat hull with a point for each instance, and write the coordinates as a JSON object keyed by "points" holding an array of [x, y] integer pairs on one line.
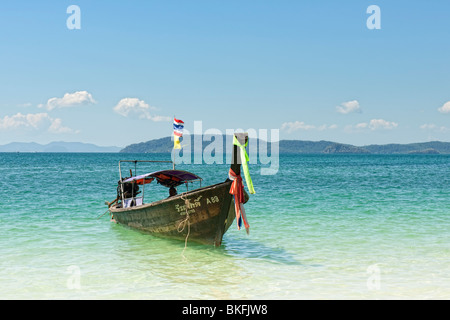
{"points": [[202, 215]]}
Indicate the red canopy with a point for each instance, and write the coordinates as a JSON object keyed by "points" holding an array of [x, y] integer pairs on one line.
{"points": [[168, 178]]}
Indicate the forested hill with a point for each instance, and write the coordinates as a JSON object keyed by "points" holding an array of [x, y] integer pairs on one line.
{"points": [[165, 145]]}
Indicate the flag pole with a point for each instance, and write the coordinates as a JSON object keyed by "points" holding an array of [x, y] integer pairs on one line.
{"points": [[173, 152]]}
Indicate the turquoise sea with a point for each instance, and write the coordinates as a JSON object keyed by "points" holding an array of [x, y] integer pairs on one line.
{"points": [[323, 227]]}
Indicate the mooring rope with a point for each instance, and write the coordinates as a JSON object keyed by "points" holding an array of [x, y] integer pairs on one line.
{"points": [[103, 214], [182, 224]]}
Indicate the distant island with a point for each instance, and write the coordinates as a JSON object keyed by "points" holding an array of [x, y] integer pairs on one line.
{"points": [[57, 146], [165, 145]]}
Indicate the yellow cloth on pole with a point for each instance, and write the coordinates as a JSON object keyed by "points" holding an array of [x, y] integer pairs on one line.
{"points": [[244, 160], [176, 142]]}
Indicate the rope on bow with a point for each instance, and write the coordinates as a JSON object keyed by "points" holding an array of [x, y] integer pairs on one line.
{"points": [[183, 223]]}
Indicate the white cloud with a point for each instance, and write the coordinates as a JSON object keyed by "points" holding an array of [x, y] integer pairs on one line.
{"points": [[130, 106], [428, 126], [25, 105], [69, 100], [375, 124], [362, 125], [433, 127], [297, 125], [23, 120], [300, 125], [57, 127], [161, 118], [445, 108], [349, 107], [327, 127], [34, 121]]}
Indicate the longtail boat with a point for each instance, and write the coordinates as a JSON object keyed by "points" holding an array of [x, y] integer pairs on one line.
{"points": [[200, 215]]}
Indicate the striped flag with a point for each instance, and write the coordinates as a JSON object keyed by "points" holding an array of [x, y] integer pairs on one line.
{"points": [[178, 126]]}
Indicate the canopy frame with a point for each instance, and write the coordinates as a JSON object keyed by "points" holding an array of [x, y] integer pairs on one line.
{"points": [[168, 178]]}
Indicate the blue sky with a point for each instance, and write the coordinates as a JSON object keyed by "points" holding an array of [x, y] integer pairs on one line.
{"points": [[311, 69]]}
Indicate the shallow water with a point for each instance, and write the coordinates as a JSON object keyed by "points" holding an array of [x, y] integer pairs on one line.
{"points": [[323, 227]]}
